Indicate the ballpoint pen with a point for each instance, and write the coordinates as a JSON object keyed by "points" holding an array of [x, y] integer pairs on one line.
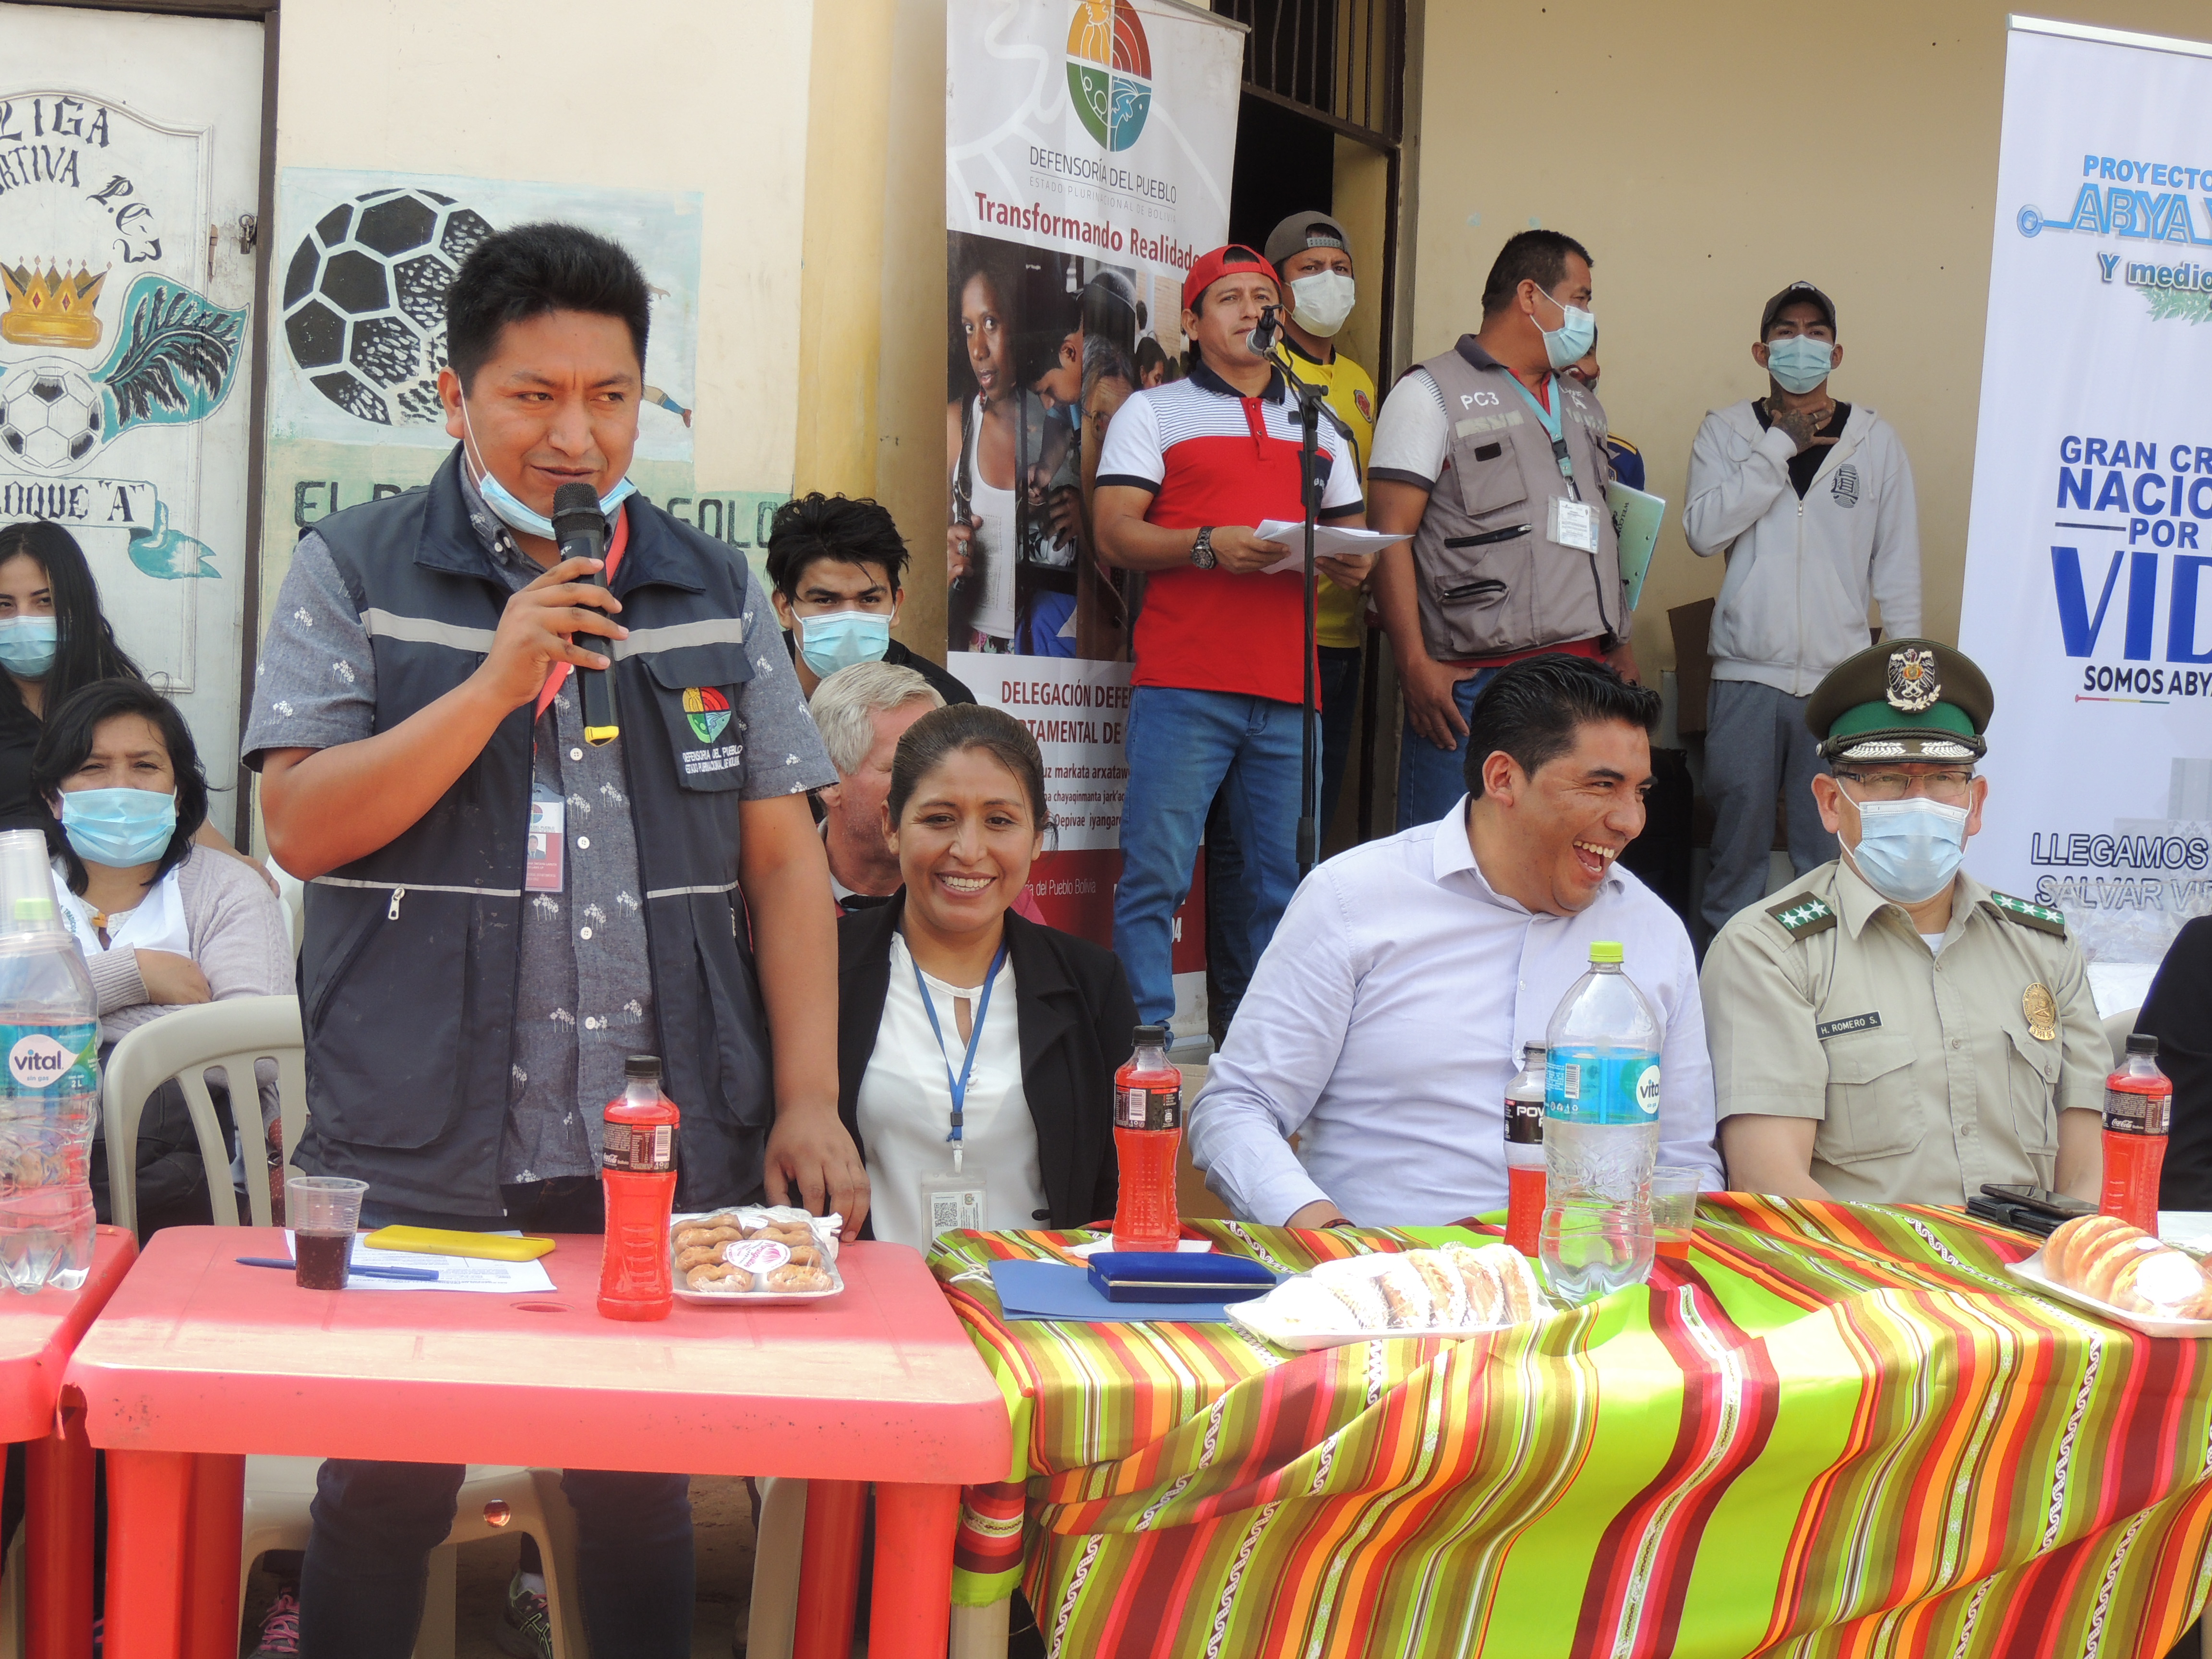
{"points": [[356, 1267]]}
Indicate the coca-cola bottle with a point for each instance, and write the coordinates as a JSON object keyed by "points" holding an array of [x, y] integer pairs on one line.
{"points": [[637, 1166], [2138, 1109]]}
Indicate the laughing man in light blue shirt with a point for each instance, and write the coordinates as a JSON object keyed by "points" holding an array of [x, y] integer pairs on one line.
{"points": [[1387, 1016]]}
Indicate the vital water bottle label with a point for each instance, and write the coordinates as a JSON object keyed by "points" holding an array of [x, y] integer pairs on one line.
{"points": [[1593, 1088], [51, 1060]]}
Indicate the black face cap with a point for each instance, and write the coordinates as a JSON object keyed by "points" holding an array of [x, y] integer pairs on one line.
{"points": [[2141, 1043], [1796, 292], [643, 1066]]}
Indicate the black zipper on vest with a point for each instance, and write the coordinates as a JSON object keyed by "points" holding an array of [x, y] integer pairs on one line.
{"points": [[1511, 534]]}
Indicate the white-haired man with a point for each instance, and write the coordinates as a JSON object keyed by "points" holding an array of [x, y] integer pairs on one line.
{"points": [[861, 712]]}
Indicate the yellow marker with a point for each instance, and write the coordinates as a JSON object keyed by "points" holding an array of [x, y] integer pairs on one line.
{"points": [[599, 736], [430, 1241]]}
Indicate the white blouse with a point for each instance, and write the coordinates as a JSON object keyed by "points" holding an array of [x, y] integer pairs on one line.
{"points": [[905, 1106]]}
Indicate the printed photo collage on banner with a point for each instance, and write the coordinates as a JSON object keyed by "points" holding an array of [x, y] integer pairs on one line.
{"points": [[1089, 147]]}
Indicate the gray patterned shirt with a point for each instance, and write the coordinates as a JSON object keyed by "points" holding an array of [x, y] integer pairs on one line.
{"points": [[584, 997]]}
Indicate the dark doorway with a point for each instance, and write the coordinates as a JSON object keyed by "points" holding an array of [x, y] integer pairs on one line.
{"points": [[1285, 164]]}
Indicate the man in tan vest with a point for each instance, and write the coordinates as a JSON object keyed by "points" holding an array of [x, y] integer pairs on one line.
{"points": [[1497, 466]]}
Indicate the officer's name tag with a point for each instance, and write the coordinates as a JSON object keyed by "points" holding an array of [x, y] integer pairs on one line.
{"points": [[1574, 524], [546, 844], [1839, 1027]]}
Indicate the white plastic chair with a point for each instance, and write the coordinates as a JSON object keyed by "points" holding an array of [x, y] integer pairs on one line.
{"points": [[495, 1499]]}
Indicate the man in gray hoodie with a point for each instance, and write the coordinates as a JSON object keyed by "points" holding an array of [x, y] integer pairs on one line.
{"points": [[1811, 501]]}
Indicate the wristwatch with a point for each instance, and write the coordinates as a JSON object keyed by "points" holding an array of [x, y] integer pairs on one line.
{"points": [[1201, 551]]}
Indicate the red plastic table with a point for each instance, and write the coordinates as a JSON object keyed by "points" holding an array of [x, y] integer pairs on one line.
{"points": [[197, 1361], [36, 1334]]}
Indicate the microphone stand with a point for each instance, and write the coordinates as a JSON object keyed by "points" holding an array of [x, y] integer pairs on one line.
{"points": [[1309, 399]]}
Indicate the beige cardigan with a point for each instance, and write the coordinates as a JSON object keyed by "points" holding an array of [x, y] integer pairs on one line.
{"points": [[238, 937]]}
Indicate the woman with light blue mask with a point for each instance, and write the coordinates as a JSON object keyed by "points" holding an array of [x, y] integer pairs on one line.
{"points": [[163, 922], [54, 640]]}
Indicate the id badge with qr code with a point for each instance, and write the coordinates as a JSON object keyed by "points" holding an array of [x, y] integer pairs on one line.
{"points": [[1574, 524], [952, 1201]]}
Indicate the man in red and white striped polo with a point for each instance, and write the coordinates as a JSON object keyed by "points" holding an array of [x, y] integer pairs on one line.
{"points": [[1187, 471]]}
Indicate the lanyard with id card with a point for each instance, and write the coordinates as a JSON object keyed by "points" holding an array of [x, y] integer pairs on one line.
{"points": [[546, 846], [952, 1200], [1570, 523]]}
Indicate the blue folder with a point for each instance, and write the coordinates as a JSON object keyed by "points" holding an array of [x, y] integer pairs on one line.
{"points": [[1053, 1291]]}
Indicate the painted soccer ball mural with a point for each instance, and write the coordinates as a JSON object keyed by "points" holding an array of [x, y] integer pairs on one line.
{"points": [[50, 416], [364, 301]]}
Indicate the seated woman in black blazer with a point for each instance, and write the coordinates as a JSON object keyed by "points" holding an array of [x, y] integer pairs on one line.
{"points": [[944, 980]]}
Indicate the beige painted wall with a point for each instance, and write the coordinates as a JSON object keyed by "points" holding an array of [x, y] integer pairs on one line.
{"points": [[1710, 155], [681, 96]]}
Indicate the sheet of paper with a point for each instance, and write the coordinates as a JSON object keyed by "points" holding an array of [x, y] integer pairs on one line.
{"points": [[1328, 539], [455, 1273], [1187, 1246]]}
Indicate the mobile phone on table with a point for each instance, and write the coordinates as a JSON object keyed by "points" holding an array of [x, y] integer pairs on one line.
{"points": [[2018, 1217], [2041, 1200]]}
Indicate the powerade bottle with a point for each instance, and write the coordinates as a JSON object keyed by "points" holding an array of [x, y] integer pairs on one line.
{"points": [[1600, 1133], [1524, 1150], [50, 1089], [637, 1163], [2138, 1111], [1147, 1134]]}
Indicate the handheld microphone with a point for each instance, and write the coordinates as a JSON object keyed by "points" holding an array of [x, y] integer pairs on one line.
{"points": [[581, 530], [1261, 340]]}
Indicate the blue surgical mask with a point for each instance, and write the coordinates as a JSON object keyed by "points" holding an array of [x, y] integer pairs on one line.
{"points": [[1569, 344], [27, 645], [842, 638], [510, 509], [1799, 362], [119, 828], [1909, 849]]}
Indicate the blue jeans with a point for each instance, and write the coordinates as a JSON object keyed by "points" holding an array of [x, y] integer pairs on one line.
{"points": [[1228, 898], [1184, 748], [375, 1524], [1430, 780]]}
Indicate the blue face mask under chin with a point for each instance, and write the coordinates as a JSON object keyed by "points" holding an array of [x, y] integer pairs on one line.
{"points": [[119, 828], [842, 639], [1909, 849], [509, 508], [27, 646]]}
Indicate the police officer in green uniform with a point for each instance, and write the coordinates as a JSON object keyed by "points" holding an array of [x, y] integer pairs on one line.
{"points": [[1888, 1031]]}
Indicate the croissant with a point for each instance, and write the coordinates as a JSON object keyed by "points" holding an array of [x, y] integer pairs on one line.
{"points": [[2105, 1257]]}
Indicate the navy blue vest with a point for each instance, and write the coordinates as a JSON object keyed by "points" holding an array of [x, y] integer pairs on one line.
{"points": [[410, 964]]}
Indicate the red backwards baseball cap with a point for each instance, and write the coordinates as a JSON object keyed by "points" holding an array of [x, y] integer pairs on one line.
{"points": [[1213, 267]]}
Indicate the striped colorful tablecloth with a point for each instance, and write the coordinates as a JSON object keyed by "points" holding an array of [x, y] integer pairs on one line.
{"points": [[1835, 1430]]}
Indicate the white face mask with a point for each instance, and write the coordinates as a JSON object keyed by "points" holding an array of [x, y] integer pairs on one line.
{"points": [[1321, 301]]}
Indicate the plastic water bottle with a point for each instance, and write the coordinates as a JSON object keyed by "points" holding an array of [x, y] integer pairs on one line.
{"points": [[50, 1089], [1600, 1133], [637, 1166]]}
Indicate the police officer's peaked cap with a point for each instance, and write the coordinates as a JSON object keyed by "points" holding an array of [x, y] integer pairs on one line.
{"points": [[1903, 700]]}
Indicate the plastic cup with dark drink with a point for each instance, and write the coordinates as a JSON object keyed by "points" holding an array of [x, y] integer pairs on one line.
{"points": [[324, 1212]]}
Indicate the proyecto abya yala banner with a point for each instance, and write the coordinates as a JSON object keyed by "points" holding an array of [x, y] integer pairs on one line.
{"points": [[2087, 588], [1088, 148]]}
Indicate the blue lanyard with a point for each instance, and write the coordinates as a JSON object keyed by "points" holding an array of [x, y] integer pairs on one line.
{"points": [[1552, 425], [958, 1085]]}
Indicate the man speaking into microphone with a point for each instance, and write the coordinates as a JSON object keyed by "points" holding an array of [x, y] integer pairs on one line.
{"points": [[1187, 472], [500, 909]]}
